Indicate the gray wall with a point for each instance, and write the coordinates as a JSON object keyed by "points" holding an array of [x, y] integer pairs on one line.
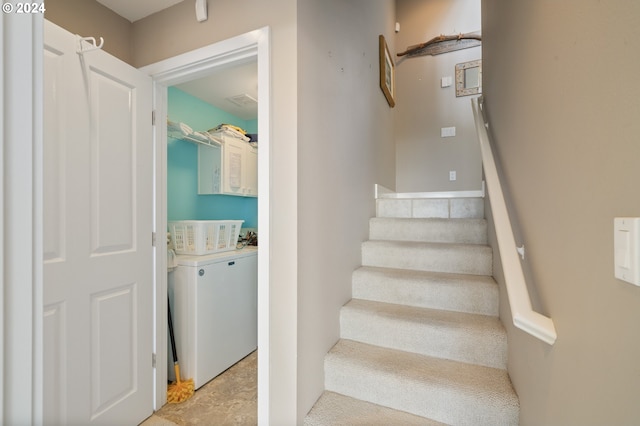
{"points": [[564, 115], [423, 158], [89, 18], [345, 147]]}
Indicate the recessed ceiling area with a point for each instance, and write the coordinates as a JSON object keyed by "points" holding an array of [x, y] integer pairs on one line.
{"points": [[134, 10], [230, 89]]}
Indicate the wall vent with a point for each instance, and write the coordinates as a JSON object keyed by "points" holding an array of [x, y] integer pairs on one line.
{"points": [[243, 101]]}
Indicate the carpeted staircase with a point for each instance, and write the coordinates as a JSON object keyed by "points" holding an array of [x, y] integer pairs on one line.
{"points": [[421, 342]]}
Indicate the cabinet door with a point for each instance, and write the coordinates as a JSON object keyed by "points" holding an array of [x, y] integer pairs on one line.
{"points": [[209, 169], [234, 163], [251, 175]]}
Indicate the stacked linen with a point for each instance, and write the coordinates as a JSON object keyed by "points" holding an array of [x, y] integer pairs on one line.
{"points": [[183, 131], [229, 130]]}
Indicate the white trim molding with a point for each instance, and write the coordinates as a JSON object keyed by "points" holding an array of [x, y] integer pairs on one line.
{"points": [[21, 37], [254, 45]]}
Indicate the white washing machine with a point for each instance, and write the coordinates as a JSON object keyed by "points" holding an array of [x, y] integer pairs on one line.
{"points": [[214, 303]]}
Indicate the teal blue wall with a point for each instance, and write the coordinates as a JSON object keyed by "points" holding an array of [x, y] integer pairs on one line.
{"points": [[183, 201]]}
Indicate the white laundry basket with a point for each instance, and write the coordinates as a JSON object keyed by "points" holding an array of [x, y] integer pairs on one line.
{"points": [[198, 237]]}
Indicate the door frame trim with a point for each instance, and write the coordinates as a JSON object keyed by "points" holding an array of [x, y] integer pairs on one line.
{"points": [[21, 225], [179, 69]]}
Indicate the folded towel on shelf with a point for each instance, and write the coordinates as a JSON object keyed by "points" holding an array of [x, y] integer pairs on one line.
{"points": [[201, 136], [229, 127], [178, 130]]}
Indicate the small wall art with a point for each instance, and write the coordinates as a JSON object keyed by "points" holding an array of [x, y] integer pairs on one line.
{"points": [[387, 73], [469, 78]]}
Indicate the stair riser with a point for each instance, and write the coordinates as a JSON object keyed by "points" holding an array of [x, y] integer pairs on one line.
{"points": [[431, 208], [475, 295], [451, 341], [429, 230], [462, 259], [433, 400]]}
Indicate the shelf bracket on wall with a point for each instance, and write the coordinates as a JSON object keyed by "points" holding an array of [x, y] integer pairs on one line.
{"points": [[443, 44]]}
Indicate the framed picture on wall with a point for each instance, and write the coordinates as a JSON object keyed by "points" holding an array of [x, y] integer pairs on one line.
{"points": [[387, 73]]}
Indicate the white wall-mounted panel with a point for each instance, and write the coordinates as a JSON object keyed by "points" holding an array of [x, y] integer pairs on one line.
{"points": [[626, 246]]}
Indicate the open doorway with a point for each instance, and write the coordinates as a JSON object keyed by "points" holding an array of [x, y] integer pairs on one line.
{"points": [[177, 72]]}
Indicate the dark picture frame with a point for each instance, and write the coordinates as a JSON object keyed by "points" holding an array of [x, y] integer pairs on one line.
{"points": [[387, 72]]}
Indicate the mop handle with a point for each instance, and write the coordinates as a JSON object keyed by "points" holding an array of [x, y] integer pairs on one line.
{"points": [[173, 340]]}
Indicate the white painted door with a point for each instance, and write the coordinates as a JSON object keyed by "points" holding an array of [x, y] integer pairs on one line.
{"points": [[98, 283]]}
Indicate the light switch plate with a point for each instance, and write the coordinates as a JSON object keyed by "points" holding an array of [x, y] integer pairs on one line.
{"points": [[626, 243], [447, 132]]}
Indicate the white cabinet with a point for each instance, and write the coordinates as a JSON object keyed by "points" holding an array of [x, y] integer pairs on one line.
{"points": [[251, 177], [214, 304], [209, 169], [233, 172]]}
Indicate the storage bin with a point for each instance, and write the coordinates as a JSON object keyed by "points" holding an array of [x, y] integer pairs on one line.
{"points": [[198, 237]]}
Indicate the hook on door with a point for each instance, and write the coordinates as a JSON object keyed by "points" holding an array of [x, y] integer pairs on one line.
{"points": [[93, 44]]}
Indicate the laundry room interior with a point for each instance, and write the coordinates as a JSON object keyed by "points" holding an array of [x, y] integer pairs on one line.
{"points": [[212, 215]]}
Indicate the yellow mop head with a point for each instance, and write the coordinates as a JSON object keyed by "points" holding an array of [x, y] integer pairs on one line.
{"points": [[180, 390]]}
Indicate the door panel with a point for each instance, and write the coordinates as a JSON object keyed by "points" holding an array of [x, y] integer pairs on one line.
{"points": [[113, 144], [54, 325], [54, 158], [98, 282], [113, 347]]}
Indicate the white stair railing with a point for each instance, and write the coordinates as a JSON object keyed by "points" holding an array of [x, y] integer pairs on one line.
{"points": [[524, 317]]}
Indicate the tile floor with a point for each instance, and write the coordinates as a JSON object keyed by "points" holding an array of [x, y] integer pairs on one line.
{"points": [[229, 399]]}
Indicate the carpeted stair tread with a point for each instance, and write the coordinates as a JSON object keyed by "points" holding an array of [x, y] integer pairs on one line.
{"points": [[466, 231], [443, 390], [436, 290], [333, 409], [471, 338], [473, 259]]}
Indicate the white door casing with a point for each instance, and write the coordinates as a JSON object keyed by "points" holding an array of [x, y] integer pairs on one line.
{"points": [[190, 66], [98, 272], [21, 219]]}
